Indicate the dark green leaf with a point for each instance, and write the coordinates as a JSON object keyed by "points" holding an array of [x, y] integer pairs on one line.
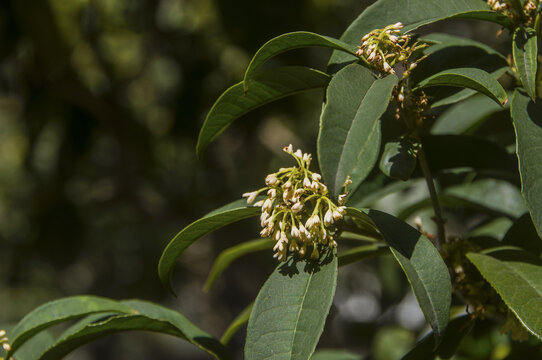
{"points": [[423, 266], [495, 228], [35, 346], [334, 354], [236, 324], [519, 284], [525, 49], [290, 310], [264, 88], [290, 41], [148, 317], [523, 234], [457, 329], [349, 138], [471, 78], [413, 14], [440, 41], [362, 252], [231, 254], [58, 311], [527, 117], [233, 212], [466, 116], [399, 159]]}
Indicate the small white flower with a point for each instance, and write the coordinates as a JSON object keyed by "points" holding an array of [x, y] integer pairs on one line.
{"points": [[298, 154], [398, 25], [316, 176], [337, 215], [306, 183], [287, 184], [342, 210], [401, 97], [297, 207], [372, 56], [307, 158], [365, 37], [258, 204], [387, 67], [359, 52], [295, 232], [393, 38], [251, 196], [328, 217], [342, 199], [271, 180], [288, 149], [267, 205], [412, 66], [272, 193], [299, 192]]}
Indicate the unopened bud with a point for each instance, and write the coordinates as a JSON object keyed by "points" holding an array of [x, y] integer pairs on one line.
{"points": [[271, 180], [328, 218], [297, 207], [288, 149], [398, 25], [251, 196]]}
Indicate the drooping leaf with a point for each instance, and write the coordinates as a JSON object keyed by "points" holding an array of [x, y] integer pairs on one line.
{"points": [[465, 117], [290, 41], [423, 266], [471, 78], [524, 235], [399, 159], [457, 329], [236, 324], [228, 214], [334, 354], [265, 87], [525, 50], [519, 284], [413, 14], [58, 311], [362, 252], [229, 255], [290, 311], [349, 138], [527, 117], [147, 317]]}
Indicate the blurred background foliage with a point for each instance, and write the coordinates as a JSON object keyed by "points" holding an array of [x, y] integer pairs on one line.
{"points": [[100, 106]]}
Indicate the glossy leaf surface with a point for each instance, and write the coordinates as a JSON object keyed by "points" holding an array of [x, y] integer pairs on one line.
{"points": [[264, 88], [349, 138], [290, 311], [524, 50], [228, 214]]}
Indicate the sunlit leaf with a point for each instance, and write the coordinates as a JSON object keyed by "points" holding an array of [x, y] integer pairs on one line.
{"points": [[525, 49], [527, 117], [228, 214], [349, 138], [290, 311], [520, 286], [265, 87]]}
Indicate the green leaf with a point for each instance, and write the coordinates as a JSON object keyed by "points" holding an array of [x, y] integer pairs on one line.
{"points": [[34, 347], [423, 266], [494, 228], [290, 310], [413, 14], [265, 87], [362, 252], [58, 311], [215, 220], [525, 49], [290, 41], [457, 329], [471, 78], [527, 117], [334, 354], [519, 284], [231, 254], [523, 234], [399, 159], [236, 324], [466, 116], [440, 41], [349, 138]]}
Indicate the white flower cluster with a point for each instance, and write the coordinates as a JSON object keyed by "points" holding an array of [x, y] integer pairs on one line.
{"points": [[4, 340], [497, 5], [383, 48], [297, 212]]}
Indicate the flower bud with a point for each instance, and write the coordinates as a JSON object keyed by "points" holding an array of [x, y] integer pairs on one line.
{"points": [[251, 196], [315, 255], [258, 204], [298, 154], [307, 158], [398, 25], [328, 218], [271, 180], [306, 183], [387, 67], [297, 207], [393, 38], [316, 176], [272, 193], [295, 232], [267, 205], [288, 149], [337, 215]]}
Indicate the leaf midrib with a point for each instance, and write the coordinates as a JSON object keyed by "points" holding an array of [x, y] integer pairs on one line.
{"points": [[299, 312]]}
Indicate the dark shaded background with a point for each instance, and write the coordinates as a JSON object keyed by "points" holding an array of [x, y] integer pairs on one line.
{"points": [[100, 106]]}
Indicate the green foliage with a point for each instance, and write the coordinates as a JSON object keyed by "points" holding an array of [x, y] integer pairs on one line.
{"points": [[525, 51]]}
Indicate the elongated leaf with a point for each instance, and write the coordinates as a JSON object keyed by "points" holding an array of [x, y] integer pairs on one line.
{"points": [[290, 41], [265, 87], [423, 266], [362, 252], [349, 138], [440, 41], [465, 117], [525, 49], [334, 354], [413, 14], [290, 310], [399, 159], [527, 117], [457, 329], [236, 324], [219, 218], [471, 78], [520, 286], [228, 256], [148, 317], [58, 311]]}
